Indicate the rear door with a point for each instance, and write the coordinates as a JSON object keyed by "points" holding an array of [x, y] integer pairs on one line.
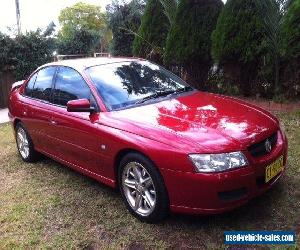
{"points": [[37, 107]]}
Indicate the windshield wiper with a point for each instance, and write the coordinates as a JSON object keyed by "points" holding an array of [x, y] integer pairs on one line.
{"points": [[164, 93], [182, 90], [154, 96]]}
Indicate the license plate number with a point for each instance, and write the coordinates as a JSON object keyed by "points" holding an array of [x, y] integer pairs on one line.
{"points": [[274, 169]]}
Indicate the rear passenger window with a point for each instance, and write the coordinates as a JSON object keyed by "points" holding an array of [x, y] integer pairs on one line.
{"points": [[43, 84], [69, 85], [30, 84]]}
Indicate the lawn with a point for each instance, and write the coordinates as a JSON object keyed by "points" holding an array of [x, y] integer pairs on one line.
{"points": [[47, 205]]}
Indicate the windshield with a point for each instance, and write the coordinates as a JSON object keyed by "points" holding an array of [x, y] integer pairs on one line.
{"points": [[130, 83]]}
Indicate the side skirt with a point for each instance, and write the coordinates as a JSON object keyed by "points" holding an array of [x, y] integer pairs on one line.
{"points": [[100, 178]]}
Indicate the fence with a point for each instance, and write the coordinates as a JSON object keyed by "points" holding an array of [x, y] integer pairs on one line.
{"points": [[6, 80], [65, 57]]}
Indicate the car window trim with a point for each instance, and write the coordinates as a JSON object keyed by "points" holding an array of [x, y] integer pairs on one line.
{"points": [[134, 105], [37, 72], [54, 85], [51, 102], [32, 75], [26, 85], [86, 70]]}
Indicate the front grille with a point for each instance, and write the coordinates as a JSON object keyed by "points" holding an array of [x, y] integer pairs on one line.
{"points": [[259, 149]]}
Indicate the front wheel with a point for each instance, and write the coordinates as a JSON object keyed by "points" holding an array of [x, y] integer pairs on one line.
{"points": [[143, 189]]}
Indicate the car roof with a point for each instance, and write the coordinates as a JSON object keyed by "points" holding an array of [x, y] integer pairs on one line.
{"points": [[83, 63]]}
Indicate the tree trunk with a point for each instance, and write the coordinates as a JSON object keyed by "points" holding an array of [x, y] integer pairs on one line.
{"points": [[196, 75], [277, 88], [248, 75]]}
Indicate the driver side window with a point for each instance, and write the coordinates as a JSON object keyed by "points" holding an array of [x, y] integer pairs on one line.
{"points": [[69, 85]]}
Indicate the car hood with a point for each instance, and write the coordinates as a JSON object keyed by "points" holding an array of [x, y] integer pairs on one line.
{"points": [[197, 121]]}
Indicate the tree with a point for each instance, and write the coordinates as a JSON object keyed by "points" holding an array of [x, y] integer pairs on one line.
{"points": [[124, 19], [151, 36], [7, 56], [189, 43], [32, 50], [83, 21], [82, 41], [291, 31], [237, 41], [81, 16], [25, 52], [170, 8], [50, 29], [291, 48], [271, 13]]}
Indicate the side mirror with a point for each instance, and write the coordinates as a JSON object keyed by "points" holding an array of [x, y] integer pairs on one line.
{"points": [[80, 105]]}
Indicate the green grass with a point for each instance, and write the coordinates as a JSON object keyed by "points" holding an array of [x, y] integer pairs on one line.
{"points": [[47, 205]]}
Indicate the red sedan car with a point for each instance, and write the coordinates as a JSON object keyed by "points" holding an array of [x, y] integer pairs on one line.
{"points": [[134, 125]]}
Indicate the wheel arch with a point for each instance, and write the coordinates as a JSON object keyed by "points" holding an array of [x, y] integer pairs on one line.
{"points": [[121, 154], [164, 205], [16, 121]]}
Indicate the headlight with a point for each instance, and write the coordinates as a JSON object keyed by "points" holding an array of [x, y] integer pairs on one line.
{"points": [[209, 163]]}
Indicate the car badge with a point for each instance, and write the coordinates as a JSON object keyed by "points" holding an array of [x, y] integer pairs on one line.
{"points": [[268, 146]]}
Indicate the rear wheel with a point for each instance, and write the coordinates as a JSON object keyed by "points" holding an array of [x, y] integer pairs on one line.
{"points": [[143, 189], [24, 144]]}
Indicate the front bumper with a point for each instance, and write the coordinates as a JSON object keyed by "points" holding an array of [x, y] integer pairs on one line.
{"points": [[198, 193]]}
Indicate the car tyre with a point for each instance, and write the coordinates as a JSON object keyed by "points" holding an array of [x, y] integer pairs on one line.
{"points": [[25, 145], [142, 188]]}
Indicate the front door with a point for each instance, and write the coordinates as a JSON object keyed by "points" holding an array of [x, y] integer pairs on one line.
{"points": [[75, 134]]}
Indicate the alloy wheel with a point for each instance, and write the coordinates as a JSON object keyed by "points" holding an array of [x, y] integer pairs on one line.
{"points": [[138, 188], [22, 141]]}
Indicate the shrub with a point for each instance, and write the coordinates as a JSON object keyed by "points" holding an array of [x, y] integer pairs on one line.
{"points": [[291, 49], [7, 56], [237, 41], [26, 52], [151, 36], [189, 40], [80, 41], [124, 19], [291, 31]]}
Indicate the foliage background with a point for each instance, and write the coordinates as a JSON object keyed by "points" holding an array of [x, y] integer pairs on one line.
{"points": [[26, 52], [152, 34], [291, 50], [189, 42], [124, 20], [238, 42], [247, 47]]}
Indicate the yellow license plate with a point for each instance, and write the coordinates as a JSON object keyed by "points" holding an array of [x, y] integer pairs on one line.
{"points": [[274, 169]]}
